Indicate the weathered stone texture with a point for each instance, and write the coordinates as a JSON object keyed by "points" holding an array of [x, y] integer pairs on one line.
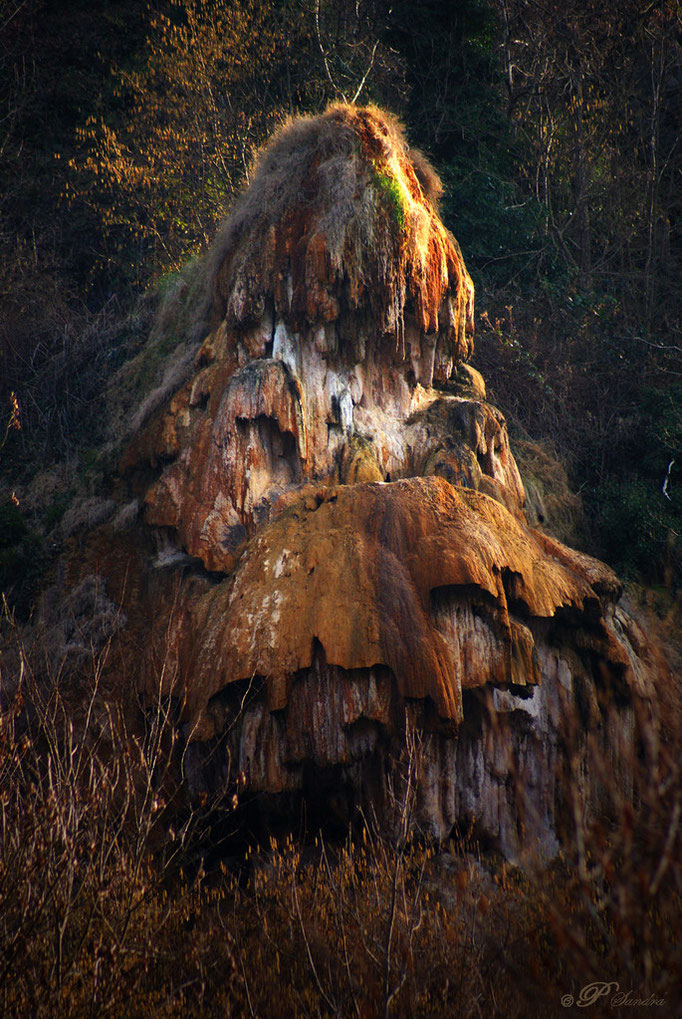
{"points": [[355, 516]]}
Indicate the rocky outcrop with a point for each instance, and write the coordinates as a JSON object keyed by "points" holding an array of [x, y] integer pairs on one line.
{"points": [[341, 558]]}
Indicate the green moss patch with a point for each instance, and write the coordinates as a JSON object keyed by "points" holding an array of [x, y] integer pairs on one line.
{"points": [[391, 192]]}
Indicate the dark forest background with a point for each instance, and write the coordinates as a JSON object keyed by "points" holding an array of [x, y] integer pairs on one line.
{"points": [[127, 128]]}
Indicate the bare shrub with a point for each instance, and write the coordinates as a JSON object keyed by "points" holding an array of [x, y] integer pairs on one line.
{"points": [[381, 926], [105, 906], [95, 907], [617, 912], [61, 376]]}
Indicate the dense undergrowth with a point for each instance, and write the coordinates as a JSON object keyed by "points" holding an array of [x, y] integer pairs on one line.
{"points": [[108, 903]]}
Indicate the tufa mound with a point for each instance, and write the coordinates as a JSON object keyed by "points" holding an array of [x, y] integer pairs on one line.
{"points": [[332, 546]]}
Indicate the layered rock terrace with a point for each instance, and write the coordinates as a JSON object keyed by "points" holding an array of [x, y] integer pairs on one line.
{"points": [[333, 549]]}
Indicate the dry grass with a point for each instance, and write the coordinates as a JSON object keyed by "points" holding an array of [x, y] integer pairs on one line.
{"points": [[164, 360], [95, 907], [105, 907], [282, 167], [347, 182], [86, 514]]}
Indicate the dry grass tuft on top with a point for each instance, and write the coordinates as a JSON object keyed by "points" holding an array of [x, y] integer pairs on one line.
{"points": [[341, 216]]}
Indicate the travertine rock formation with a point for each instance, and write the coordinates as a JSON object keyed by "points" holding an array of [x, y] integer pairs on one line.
{"points": [[341, 547]]}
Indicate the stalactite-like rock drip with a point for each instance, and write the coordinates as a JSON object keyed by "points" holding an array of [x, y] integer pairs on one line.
{"points": [[334, 465], [370, 573], [361, 603]]}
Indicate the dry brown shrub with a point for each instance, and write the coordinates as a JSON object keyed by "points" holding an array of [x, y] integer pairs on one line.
{"points": [[105, 907], [379, 927], [97, 915]]}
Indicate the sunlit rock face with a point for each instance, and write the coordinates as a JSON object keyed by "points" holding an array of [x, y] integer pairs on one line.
{"points": [[341, 522]]}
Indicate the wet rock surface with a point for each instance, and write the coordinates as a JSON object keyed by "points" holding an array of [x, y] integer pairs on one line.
{"points": [[333, 551]]}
